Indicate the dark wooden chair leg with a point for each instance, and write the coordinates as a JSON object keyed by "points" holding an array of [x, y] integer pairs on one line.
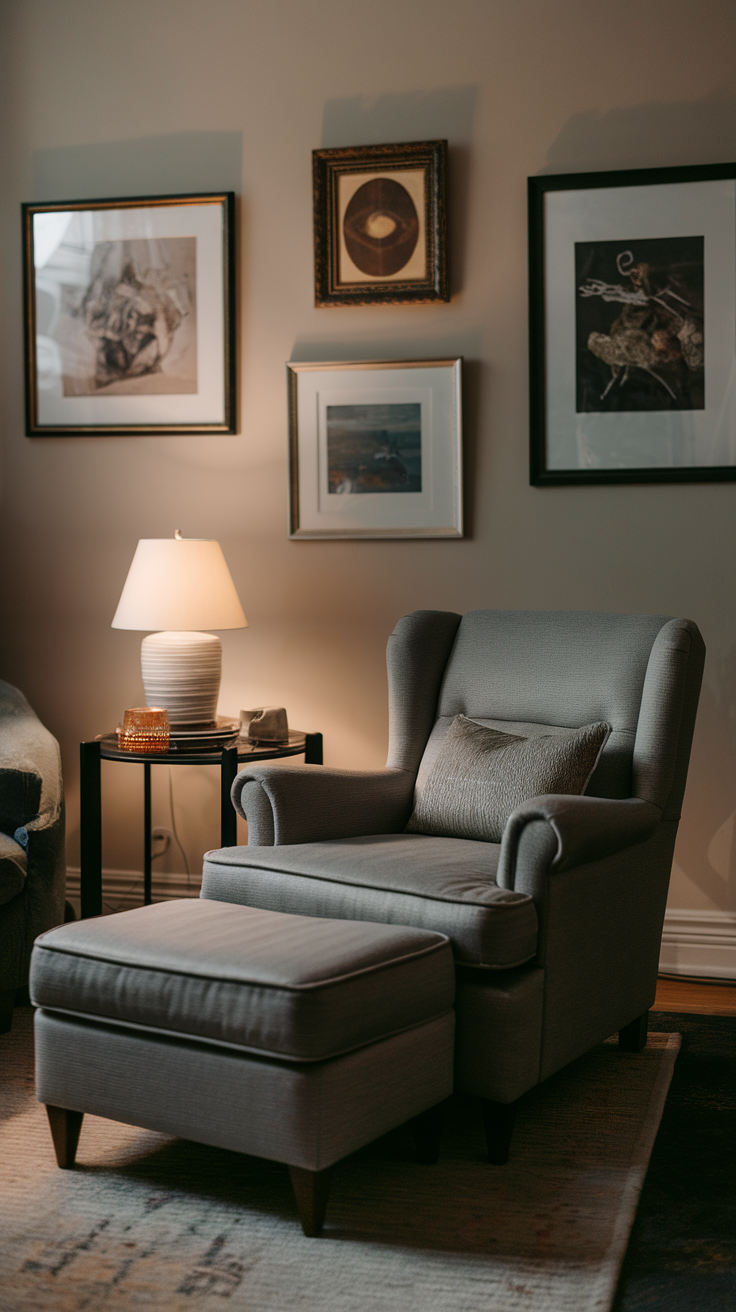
{"points": [[427, 1131], [310, 1190], [65, 1127], [498, 1120], [633, 1037], [7, 1003]]}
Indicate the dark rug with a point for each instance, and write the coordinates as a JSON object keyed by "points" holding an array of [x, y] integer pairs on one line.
{"points": [[682, 1252]]}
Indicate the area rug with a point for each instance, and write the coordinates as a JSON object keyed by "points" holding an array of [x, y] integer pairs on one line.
{"points": [[681, 1255], [147, 1221]]}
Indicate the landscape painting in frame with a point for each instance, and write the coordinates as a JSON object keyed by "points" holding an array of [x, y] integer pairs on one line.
{"points": [[633, 326], [129, 316], [375, 449]]}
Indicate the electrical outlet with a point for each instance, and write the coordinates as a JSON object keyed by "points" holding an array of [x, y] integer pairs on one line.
{"points": [[160, 841]]}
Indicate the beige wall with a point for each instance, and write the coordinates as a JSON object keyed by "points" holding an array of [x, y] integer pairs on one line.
{"points": [[173, 95]]}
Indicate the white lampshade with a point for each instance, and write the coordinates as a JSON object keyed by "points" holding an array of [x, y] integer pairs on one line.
{"points": [[181, 584]]}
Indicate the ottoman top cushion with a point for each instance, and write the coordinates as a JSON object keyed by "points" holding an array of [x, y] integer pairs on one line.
{"points": [[284, 986]]}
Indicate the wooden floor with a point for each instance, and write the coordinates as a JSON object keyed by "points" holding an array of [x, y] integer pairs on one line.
{"points": [[695, 996]]}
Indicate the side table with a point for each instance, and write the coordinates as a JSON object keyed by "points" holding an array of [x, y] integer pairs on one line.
{"points": [[105, 748]]}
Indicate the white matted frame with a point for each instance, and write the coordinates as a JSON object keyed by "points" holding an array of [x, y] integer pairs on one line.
{"points": [[632, 279], [375, 449], [130, 316]]}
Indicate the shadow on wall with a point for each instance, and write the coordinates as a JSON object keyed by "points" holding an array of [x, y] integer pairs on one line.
{"points": [[706, 851], [415, 116], [647, 136], [179, 162]]}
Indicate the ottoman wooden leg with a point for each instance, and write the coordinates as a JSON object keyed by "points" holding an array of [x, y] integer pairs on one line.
{"points": [[7, 1003], [633, 1037], [498, 1121], [65, 1127], [310, 1190], [427, 1129]]}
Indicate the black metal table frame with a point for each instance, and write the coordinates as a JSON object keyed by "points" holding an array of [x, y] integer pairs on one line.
{"points": [[90, 759]]}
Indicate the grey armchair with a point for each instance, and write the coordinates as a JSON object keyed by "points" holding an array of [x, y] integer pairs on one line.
{"points": [[32, 860], [555, 929]]}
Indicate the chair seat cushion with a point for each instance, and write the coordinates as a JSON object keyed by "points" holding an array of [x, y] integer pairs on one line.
{"points": [[283, 986], [441, 884]]}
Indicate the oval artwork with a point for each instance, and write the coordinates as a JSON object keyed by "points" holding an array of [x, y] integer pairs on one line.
{"points": [[381, 227]]}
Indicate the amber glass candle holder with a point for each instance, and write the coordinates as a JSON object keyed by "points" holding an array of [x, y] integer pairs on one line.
{"points": [[144, 729]]}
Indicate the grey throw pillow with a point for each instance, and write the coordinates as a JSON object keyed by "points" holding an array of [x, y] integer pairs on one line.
{"points": [[481, 775]]}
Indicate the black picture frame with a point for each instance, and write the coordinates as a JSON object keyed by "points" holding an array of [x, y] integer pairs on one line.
{"points": [[380, 227], [632, 326], [129, 316]]}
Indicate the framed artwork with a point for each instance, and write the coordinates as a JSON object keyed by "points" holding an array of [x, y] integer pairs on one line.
{"points": [[379, 224], [130, 316], [375, 449], [632, 280]]}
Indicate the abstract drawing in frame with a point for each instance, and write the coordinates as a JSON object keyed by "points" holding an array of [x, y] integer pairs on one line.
{"points": [[130, 316], [379, 224], [375, 449], [633, 326]]}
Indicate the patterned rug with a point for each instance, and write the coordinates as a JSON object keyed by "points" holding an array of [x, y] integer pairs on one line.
{"points": [[146, 1221]]}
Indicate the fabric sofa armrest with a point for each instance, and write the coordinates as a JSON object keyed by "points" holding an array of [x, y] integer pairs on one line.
{"points": [[572, 831], [309, 803]]}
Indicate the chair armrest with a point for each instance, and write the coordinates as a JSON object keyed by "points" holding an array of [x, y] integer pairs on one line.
{"points": [[310, 803], [560, 832]]}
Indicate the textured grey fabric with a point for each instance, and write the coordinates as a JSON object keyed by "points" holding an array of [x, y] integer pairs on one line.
{"points": [[563, 668], [416, 656], [532, 674], [401, 879], [481, 775], [655, 748], [13, 868], [516, 728], [310, 802], [580, 829], [693, 680], [600, 930], [30, 769], [287, 986], [498, 1035], [252, 802], [307, 1115]]}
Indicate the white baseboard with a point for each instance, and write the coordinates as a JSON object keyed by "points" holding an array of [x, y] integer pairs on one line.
{"points": [[699, 943], [123, 889]]}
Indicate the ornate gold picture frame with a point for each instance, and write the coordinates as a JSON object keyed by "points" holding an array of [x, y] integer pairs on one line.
{"points": [[379, 224]]}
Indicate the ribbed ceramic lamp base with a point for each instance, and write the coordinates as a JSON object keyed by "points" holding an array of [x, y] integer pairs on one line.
{"points": [[181, 673]]}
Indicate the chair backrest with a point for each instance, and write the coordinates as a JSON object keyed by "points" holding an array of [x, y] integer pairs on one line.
{"points": [[534, 672]]}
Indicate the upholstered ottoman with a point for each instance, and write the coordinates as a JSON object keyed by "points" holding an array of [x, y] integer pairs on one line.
{"points": [[287, 1037]]}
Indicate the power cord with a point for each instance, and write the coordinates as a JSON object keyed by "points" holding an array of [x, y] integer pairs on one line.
{"points": [[173, 825]]}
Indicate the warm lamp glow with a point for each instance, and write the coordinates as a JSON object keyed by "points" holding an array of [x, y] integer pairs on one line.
{"points": [[180, 585]]}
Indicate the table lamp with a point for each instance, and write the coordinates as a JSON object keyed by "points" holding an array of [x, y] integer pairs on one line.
{"points": [[180, 585]]}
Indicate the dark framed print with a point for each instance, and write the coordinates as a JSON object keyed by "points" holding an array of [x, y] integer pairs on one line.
{"points": [[130, 316], [375, 449], [632, 278], [379, 224]]}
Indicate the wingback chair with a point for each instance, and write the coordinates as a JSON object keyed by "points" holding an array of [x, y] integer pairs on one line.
{"points": [[32, 859], [556, 929]]}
